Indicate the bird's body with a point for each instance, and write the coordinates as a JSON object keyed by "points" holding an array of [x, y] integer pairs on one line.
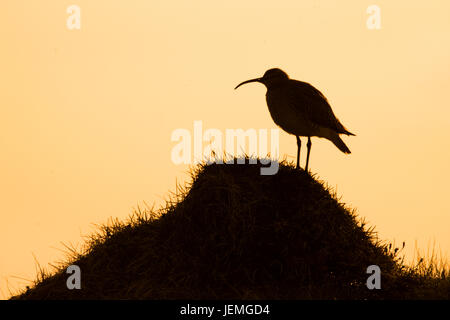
{"points": [[300, 109]]}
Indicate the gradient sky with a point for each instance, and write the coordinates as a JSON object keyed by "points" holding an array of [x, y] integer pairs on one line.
{"points": [[86, 116]]}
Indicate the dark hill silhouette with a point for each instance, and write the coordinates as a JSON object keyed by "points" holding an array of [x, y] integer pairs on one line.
{"points": [[235, 234]]}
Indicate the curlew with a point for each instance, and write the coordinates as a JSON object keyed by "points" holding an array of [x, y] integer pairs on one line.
{"points": [[300, 109]]}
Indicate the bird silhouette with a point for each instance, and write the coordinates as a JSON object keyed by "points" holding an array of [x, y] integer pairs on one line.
{"points": [[300, 109]]}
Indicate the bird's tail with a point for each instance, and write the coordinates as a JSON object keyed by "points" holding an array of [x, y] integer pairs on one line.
{"points": [[340, 144]]}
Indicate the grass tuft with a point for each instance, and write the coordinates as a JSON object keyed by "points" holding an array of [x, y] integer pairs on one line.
{"points": [[232, 233]]}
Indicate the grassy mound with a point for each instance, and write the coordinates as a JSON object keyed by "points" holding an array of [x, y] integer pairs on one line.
{"points": [[235, 234]]}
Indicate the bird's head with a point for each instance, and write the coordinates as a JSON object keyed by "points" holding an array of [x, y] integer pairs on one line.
{"points": [[270, 78]]}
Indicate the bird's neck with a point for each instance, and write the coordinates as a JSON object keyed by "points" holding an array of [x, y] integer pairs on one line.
{"points": [[275, 85]]}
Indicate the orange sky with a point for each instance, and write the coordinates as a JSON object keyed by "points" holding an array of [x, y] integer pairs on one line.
{"points": [[86, 116]]}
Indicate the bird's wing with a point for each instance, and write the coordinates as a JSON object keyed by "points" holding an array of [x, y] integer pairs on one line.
{"points": [[315, 106]]}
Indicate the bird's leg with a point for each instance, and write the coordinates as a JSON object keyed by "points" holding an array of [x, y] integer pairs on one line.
{"points": [[307, 155], [299, 145]]}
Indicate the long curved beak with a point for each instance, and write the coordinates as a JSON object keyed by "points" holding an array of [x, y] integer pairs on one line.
{"points": [[248, 81]]}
